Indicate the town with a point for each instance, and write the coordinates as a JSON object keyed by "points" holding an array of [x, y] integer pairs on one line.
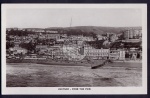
{"points": [[47, 44]]}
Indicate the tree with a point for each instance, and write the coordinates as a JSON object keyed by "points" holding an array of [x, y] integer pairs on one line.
{"points": [[121, 37], [106, 44], [8, 38], [29, 46], [9, 45]]}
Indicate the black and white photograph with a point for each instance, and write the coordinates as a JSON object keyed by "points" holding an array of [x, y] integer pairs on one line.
{"points": [[74, 49]]}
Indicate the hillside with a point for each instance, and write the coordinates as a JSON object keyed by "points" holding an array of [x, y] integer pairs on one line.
{"points": [[85, 30], [96, 29]]}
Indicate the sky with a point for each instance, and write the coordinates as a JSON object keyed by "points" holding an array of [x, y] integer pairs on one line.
{"points": [[61, 17]]}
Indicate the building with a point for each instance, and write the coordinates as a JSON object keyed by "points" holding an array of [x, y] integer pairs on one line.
{"points": [[26, 39], [81, 37], [17, 38], [134, 54], [51, 31], [38, 30], [52, 36], [93, 53], [108, 34], [132, 34], [63, 35], [42, 37], [56, 52], [33, 35], [114, 55], [60, 41], [76, 37], [117, 55], [38, 47], [18, 50], [15, 29], [121, 55], [126, 34], [31, 56], [8, 29], [132, 40]]}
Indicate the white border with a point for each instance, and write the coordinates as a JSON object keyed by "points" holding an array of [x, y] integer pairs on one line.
{"points": [[94, 90]]}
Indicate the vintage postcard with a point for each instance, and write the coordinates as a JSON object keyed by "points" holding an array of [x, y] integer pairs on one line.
{"points": [[74, 49]]}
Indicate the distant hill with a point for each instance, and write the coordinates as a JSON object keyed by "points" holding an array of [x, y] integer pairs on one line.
{"points": [[96, 29], [85, 30]]}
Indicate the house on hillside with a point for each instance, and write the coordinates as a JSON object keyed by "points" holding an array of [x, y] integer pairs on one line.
{"points": [[52, 36], [51, 31]]}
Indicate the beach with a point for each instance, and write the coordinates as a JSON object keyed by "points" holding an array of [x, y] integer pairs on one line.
{"points": [[46, 75]]}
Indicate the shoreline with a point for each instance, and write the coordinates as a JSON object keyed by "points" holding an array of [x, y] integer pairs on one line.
{"points": [[132, 61], [96, 64], [62, 61], [50, 62]]}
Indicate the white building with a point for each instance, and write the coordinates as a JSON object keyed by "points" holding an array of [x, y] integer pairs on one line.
{"points": [[97, 53], [117, 55], [132, 34]]}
